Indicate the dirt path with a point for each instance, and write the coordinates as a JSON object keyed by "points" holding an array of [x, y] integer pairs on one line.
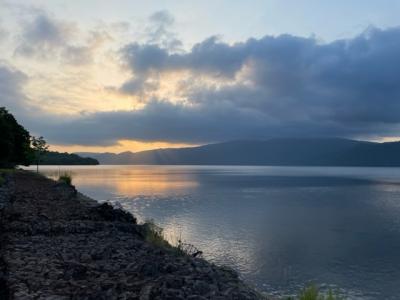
{"points": [[55, 244]]}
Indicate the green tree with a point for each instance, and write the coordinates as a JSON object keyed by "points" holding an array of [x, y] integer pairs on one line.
{"points": [[40, 147], [14, 142]]}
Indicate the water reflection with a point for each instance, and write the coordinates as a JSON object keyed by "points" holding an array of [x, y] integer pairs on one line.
{"points": [[108, 181], [280, 227]]}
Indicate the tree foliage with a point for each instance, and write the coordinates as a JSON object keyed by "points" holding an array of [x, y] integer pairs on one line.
{"points": [[40, 147], [14, 142], [57, 158]]}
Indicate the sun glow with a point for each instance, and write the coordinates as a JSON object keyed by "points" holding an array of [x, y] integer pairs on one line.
{"points": [[123, 145]]}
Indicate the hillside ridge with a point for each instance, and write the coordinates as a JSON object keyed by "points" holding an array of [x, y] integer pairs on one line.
{"points": [[280, 151]]}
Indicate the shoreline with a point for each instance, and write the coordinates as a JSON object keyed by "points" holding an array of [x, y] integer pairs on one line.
{"points": [[57, 243]]}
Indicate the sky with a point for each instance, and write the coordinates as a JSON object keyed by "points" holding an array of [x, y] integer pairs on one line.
{"points": [[113, 76]]}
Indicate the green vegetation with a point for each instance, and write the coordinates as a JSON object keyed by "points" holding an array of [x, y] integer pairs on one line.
{"points": [[40, 147], [313, 293], [14, 142], [57, 158], [17, 147], [66, 178], [154, 234], [6, 171], [3, 173]]}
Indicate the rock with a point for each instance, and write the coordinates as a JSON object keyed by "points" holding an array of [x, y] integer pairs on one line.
{"points": [[196, 297], [149, 269], [145, 292], [108, 213], [86, 257], [75, 271], [170, 268], [201, 287], [174, 282]]}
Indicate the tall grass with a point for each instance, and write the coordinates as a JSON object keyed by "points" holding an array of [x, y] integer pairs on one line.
{"points": [[155, 234], [313, 293], [3, 174], [66, 178]]}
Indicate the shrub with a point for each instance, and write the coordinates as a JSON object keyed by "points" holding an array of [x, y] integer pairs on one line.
{"points": [[313, 293], [4, 173], [155, 234], [66, 178], [310, 293], [188, 249]]}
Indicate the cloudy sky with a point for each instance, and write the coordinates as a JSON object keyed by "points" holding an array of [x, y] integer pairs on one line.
{"points": [[134, 75]]}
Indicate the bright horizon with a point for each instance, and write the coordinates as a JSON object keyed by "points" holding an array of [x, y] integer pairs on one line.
{"points": [[138, 76]]}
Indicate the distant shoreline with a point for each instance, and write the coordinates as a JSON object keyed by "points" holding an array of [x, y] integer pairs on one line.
{"points": [[272, 152]]}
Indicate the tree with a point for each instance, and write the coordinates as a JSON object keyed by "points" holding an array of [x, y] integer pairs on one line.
{"points": [[40, 147], [14, 141]]}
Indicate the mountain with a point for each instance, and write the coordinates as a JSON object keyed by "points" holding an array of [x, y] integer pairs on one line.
{"points": [[57, 158], [285, 152]]}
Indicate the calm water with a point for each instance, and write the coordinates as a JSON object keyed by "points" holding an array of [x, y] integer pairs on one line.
{"points": [[280, 227]]}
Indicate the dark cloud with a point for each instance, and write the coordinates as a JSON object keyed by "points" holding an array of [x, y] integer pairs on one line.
{"points": [[158, 32], [44, 37], [164, 121], [158, 121], [210, 56], [139, 86], [11, 84], [278, 86], [162, 18], [352, 81]]}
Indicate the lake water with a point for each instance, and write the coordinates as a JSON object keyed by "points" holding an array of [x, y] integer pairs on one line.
{"points": [[280, 227]]}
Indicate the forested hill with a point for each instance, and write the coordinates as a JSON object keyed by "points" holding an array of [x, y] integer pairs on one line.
{"points": [[285, 152], [57, 158]]}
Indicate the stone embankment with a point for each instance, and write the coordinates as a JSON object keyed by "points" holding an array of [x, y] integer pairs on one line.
{"points": [[57, 244]]}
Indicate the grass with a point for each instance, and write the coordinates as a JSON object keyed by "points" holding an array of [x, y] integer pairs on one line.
{"points": [[154, 234], [313, 293], [4, 172], [66, 178], [7, 171]]}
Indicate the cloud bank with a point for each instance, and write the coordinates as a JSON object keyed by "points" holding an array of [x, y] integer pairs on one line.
{"points": [[46, 38], [274, 86]]}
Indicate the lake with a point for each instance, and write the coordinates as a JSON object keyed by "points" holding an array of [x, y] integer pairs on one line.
{"points": [[279, 227]]}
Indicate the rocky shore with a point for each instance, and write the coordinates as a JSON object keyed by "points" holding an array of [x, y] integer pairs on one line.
{"points": [[57, 244]]}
